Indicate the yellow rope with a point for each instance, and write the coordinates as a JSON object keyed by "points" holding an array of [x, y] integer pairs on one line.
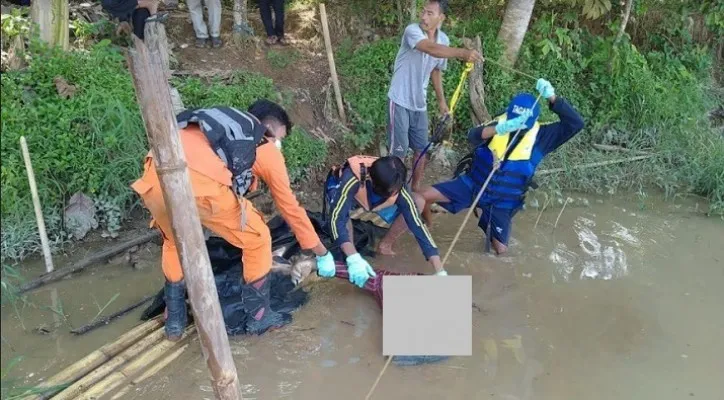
{"points": [[459, 89]]}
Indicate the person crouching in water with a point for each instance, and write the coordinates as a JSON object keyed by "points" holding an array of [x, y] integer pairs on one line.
{"points": [[505, 193], [220, 145], [377, 185]]}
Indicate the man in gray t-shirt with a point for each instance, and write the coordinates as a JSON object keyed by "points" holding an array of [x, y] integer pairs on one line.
{"points": [[423, 54]]}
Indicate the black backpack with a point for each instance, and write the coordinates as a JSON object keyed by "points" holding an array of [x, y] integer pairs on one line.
{"points": [[234, 135]]}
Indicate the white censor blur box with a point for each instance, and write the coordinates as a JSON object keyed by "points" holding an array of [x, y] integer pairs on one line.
{"points": [[427, 315]]}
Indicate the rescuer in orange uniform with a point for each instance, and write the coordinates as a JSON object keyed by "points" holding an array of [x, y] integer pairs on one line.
{"points": [[220, 145], [271, 168]]}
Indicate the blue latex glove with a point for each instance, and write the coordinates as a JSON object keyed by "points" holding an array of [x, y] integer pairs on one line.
{"points": [[325, 265], [545, 88], [359, 270], [512, 125]]}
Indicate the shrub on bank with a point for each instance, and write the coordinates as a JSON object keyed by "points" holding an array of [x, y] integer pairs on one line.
{"points": [[94, 141]]}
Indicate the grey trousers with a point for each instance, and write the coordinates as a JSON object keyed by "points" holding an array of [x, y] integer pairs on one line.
{"points": [[196, 9]]}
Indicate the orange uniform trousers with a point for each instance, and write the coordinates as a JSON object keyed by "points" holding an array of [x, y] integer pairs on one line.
{"points": [[221, 211]]}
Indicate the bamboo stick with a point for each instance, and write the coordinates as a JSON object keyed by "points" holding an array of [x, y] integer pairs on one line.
{"points": [[96, 258], [156, 368], [116, 378], [44, 242], [332, 67], [97, 357], [106, 320], [162, 131], [596, 164], [74, 390]]}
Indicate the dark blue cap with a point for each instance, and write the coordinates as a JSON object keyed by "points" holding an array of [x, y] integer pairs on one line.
{"points": [[519, 104]]}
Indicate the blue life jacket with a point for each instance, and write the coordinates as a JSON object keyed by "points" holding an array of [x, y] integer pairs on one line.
{"points": [[510, 182]]}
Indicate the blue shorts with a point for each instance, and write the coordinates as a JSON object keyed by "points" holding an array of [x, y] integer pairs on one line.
{"points": [[461, 194]]}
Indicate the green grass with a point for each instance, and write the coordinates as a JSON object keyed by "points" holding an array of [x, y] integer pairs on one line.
{"points": [[94, 142]]}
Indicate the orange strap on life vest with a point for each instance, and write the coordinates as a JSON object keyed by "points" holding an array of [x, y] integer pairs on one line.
{"points": [[359, 166]]}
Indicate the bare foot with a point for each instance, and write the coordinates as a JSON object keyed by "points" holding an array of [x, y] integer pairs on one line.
{"points": [[385, 249]]}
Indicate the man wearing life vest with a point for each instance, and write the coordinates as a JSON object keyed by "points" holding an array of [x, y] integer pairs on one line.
{"points": [[377, 185], [505, 193], [220, 146]]}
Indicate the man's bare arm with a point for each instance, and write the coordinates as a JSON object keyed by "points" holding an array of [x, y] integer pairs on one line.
{"points": [[441, 51], [436, 76]]}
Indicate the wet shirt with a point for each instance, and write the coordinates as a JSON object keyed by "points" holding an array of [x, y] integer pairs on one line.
{"points": [[413, 67], [344, 200], [550, 136], [271, 168]]}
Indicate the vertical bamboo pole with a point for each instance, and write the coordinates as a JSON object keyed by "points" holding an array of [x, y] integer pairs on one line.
{"points": [[332, 68], [152, 92], [52, 19], [36, 205], [43, 233]]}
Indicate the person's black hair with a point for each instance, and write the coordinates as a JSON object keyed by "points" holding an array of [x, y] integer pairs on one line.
{"points": [[388, 175], [265, 110], [443, 5]]}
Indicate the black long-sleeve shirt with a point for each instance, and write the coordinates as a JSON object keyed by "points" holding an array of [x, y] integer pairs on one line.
{"points": [[551, 135], [344, 199]]}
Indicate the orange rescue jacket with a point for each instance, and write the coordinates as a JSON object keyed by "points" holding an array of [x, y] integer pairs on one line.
{"points": [[359, 166]]}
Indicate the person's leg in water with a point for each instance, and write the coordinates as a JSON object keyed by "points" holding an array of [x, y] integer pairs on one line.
{"points": [[497, 223], [398, 228], [240, 224], [221, 212]]}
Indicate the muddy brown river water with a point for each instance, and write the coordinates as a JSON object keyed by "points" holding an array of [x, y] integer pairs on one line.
{"points": [[616, 302]]}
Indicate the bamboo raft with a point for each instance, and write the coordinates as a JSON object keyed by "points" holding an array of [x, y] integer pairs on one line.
{"points": [[133, 357]]}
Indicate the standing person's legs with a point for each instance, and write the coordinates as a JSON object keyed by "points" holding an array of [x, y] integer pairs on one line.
{"points": [[418, 142], [398, 125], [265, 9], [149, 189], [214, 7], [196, 9], [240, 224], [279, 20]]}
